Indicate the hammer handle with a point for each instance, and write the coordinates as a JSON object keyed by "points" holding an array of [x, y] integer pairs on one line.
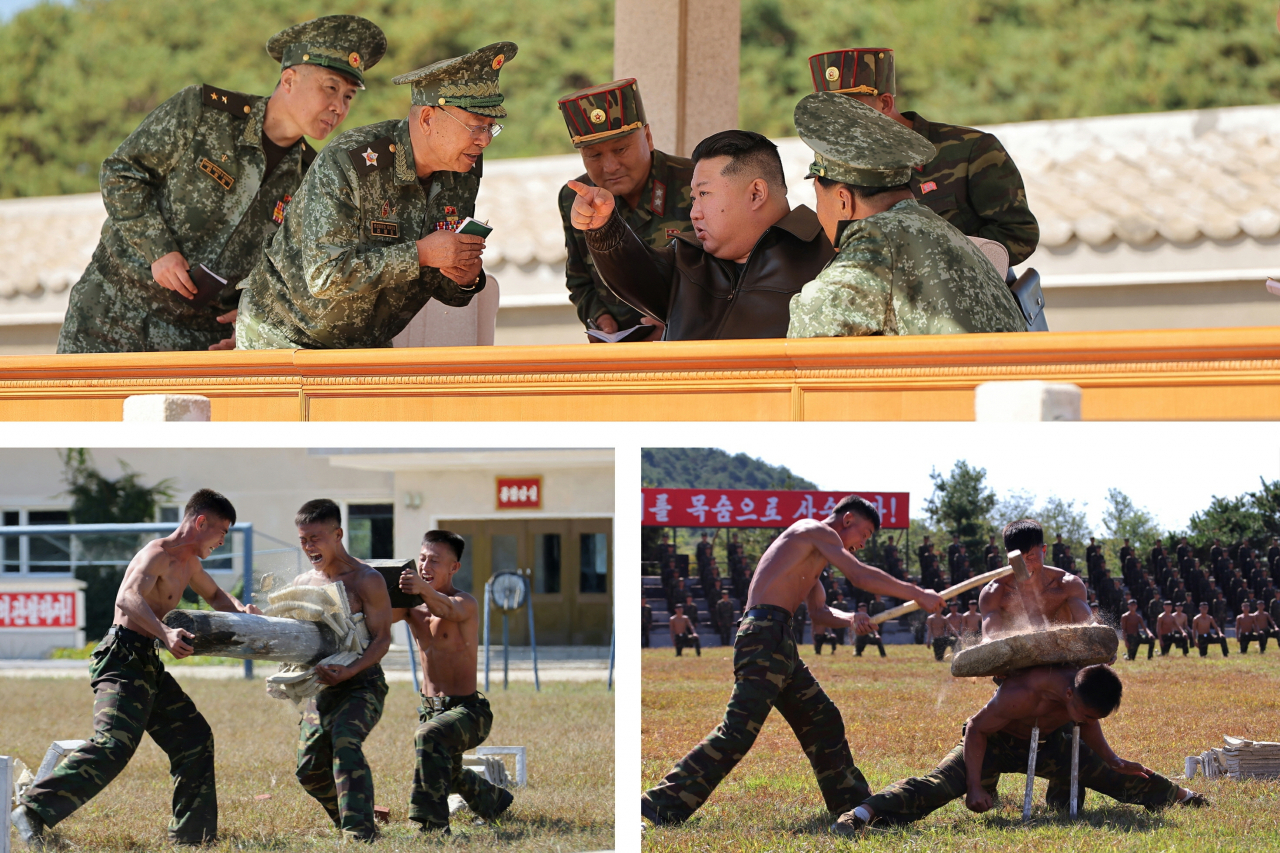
{"points": [[964, 586]]}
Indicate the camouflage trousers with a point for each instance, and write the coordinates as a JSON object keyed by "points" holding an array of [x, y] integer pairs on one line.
{"points": [[912, 799], [102, 317], [256, 331], [134, 694], [450, 726], [331, 763], [768, 674]]}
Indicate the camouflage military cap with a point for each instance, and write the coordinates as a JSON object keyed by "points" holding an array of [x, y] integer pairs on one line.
{"points": [[599, 113], [346, 43], [854, 144], [469, 82], [857, 71]]}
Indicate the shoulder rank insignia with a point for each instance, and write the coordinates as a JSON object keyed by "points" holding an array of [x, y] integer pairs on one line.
{"points": [[212, 169], [229, 102], [381, 228], [673, 233], [373, 155], [659, 203], [928, 187]]}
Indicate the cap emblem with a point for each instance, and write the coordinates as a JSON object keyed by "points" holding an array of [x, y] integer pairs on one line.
{"points": [[597, 116], [354, 59], [498, 60], [370, 157], [833, 74]]}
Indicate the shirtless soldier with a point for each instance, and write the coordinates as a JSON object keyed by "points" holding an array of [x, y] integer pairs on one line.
{"points": [[997, 739], [1244, 628], [971, 622], [942, 635], [1170, 633], [333, 728], [133, 693], [1050, 597], [455, 717], [1206, 631], [769, 673], [1135, 632], [1264, 626], [683, 633]]}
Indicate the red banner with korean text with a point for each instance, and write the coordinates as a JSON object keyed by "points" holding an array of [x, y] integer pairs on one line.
{"points": [[759, 507], [37, 610]]}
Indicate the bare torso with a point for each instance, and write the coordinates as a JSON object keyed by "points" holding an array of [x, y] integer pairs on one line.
{"points": [[1131, 623], [1244, 624], [447, 649], [956, 621], [787, 570], [680, 624], [972, 623], [1049, 597], [172, 574], [1166, 624], [937, 625], [1203, 624], [1040, 697]]}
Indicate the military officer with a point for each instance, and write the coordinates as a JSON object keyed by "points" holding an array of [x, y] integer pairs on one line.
{"points": [[608, 127], [901, 269], [971, 181], [373, 232], [200, 185]]}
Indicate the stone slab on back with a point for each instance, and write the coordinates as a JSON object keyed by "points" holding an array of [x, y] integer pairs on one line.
{"points": [[1080, 645]]}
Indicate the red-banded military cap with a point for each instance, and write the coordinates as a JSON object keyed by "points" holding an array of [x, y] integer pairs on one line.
{"points": [[600, 113], [856, 71]]}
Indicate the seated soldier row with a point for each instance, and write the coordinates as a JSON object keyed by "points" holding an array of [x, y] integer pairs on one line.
{"points": [[134, 693], [219, 213]]}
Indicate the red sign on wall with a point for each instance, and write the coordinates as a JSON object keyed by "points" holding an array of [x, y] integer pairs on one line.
{"points": [[759, 508], [37, 610], [519, 493]]}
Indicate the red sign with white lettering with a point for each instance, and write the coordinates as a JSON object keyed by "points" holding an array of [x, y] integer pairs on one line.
{"points": [[519, 493], [759, 508], [37, 610]]}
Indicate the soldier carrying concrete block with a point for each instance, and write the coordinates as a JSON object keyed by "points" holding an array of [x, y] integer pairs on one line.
{"points": [[134, 694]]}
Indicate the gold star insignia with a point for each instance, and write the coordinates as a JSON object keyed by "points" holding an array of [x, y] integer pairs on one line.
{"points": [[224, 99], [213, 95], [224, 158]]}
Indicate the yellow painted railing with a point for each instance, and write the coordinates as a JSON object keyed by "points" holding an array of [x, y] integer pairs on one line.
{"points": [[1183, 374]]}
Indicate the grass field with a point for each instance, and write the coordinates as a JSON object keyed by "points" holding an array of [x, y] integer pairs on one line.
{"points": [[904, 713], [567, 806]]}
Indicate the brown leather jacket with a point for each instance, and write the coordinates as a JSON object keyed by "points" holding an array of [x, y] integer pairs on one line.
{"points": [[701, 297]]}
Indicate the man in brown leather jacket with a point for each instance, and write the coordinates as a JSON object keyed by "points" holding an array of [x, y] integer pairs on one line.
{"points": [[735, 275]]}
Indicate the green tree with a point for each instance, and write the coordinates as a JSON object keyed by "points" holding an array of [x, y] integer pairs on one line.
{"points": [[97, 499], [1059, 516], [1253, 518], [961, 504]]}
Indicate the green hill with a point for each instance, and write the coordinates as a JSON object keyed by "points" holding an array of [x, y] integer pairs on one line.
{"points": [[79, 78], [707, 468]]}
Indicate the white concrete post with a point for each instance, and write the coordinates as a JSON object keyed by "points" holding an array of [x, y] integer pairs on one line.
{"points": [[58, 750], [166, 407], [1075, 767], [1026, 401], [1031, 772], [522, 775], [6, 785]]}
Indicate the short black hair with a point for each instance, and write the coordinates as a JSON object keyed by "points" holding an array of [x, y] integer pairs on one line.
{"points": [[1022, 535], [448, 537], [209, 502], [1099, 687], [860, 507], [859, 192], [749, 154], [318, 511]]}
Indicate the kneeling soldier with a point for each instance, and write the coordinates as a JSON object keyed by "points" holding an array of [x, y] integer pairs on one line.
{"points": [[900, 269], [372, 234], [203, 182], [454, 716]]}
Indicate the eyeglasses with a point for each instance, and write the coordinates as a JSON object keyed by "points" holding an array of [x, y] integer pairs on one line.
{"points": [[478, 129]]}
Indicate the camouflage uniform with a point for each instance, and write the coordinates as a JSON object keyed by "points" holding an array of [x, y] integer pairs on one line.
{"points": [[344, 270], [904, 271], [451, 725], [600, 114], [133, 693], [912, 799], [188, 180], [192, 179], [971, 181], [768, 673], [331, 763]]}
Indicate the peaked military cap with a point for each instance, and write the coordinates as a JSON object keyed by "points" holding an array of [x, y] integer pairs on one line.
{"points": [[854, 144], [346, 43], [599, 113], [857, 71], [469, 82]]}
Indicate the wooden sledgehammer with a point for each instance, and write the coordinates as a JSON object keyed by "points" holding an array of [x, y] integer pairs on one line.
{"points": [[1017, 567]]}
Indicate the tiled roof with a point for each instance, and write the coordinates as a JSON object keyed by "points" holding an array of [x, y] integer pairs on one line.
{"points": [[1141, 180]]}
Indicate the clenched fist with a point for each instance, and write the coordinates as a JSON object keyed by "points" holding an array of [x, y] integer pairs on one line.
{"points": [[592, 208], [446, 249]]}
